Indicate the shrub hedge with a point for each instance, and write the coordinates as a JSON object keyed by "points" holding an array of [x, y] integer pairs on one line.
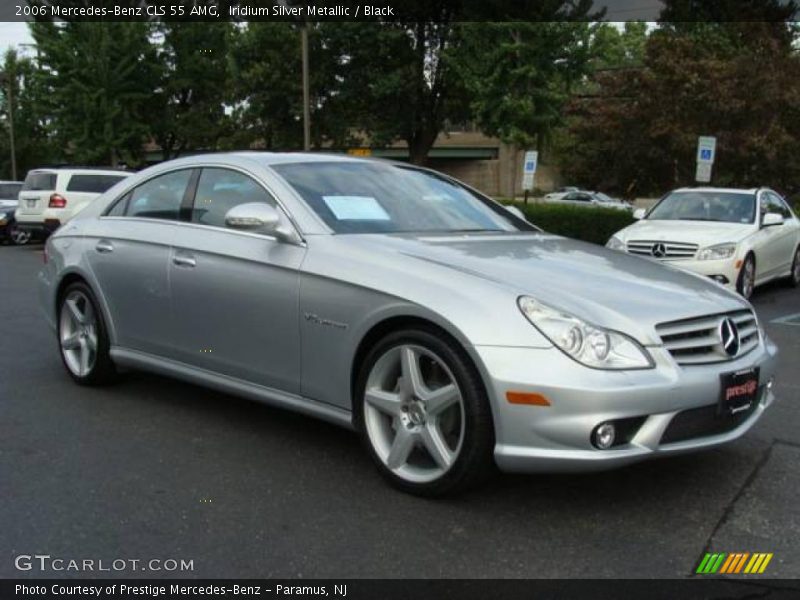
{"points": [[590, 224]]}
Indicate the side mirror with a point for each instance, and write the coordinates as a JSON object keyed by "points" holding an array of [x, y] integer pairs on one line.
{"points": [[772, 219], [639, 214], [515, 211], [258, 217]]}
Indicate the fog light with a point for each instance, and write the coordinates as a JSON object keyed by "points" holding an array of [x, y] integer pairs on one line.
{"points": [[603, 436], [720, 279], [770, 383]]}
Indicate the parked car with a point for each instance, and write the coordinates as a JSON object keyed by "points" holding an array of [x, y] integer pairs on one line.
{"points": [[8, 204], [559, 192], [394, 300], [741, 238], [586, 198], [51, 197]]}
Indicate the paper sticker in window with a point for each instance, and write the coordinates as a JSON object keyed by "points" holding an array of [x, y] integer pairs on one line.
{"points": [[356, 208]]}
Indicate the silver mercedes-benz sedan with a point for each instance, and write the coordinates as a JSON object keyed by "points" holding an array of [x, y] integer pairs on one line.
{"points": [[444, 328]]}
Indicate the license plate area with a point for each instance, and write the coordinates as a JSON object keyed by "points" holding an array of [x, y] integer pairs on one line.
{"points": [[739, 391]]}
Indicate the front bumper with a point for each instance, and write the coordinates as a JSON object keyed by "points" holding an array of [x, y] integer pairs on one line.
{"points": [[714, 269], [558, 437]]}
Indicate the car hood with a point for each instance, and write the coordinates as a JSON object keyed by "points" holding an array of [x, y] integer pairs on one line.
{"points": [[703, 233], [606, 287]]}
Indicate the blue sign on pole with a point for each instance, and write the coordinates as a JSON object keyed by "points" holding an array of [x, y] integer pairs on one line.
{"points": [[705, 154]]}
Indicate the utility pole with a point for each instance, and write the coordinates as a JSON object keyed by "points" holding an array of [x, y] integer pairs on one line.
{"points": [[306, 94], [9, 81]]}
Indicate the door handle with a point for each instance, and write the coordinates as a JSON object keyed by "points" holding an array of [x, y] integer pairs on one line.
{"points": [[184, 261], [104, 246]]}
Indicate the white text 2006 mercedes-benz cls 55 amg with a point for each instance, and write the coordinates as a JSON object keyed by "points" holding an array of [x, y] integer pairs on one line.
{"points": [[450, 333]]}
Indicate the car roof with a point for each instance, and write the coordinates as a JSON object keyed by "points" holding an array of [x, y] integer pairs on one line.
{"points": [[718, 189], [276, 158], [99, 170]]}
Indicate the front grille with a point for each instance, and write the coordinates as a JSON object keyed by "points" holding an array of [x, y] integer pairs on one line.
{"points": [[697, 341], [704, 422], [671, 250]]}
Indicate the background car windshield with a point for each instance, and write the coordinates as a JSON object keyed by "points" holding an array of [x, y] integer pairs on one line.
{"points": [[9, 191], [727, 207], [354, 197]]}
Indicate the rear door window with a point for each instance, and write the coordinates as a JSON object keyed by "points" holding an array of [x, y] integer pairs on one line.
{"points": [[92, 183], [38, 181], [159, 198]]}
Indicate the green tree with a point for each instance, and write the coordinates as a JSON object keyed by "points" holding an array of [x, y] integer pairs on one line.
{"points": [[522, 74], [612, 48], [31, 141], [99, 78], [638, 134], [195, 84], [268, 89], [399, 81]]}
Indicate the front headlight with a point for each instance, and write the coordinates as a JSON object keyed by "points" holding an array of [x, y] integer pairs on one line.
{"points": [[718, 252], [614, 243], [586, 343]]}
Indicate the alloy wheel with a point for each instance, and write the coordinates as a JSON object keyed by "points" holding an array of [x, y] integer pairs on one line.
{"points": [[748, 278], [19, 236], [414, 413], [77, 333]]}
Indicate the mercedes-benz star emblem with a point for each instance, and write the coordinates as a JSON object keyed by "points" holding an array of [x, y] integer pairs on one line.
{"points": [[729, 336], [658, 250]]}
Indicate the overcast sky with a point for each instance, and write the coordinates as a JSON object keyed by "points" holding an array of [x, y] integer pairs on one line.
{"points": [[13, 34]]}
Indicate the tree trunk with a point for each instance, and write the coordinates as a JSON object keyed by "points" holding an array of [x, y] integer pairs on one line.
{"points": [[419, 146]]}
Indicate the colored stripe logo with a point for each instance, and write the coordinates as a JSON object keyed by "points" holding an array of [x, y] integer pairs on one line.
{"points": [[734, 563]]}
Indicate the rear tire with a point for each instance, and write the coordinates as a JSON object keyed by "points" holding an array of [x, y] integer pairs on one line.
{"points": [[19, 237], [83, 337], [746, 282], [423, 414]]}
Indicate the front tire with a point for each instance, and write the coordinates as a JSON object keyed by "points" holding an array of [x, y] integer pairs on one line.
{"points": [[794, 276], [423, 413], [83, 337], [746, 282]]}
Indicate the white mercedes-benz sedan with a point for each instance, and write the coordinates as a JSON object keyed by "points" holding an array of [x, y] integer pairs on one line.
{"points": [[740, 238], [449, 332]]}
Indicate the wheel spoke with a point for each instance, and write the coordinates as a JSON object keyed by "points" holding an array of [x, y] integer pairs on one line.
{"points": [[439, 400], [91, 339], [436, 446], [409, 367], [84, 357], [386, 402], [74, 311], [402, 446], [71, 342]]}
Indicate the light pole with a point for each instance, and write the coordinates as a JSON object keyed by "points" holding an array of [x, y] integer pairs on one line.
{"points": [[9, 82], [306, 93]]}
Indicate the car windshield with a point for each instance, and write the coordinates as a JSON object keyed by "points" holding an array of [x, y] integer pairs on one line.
{"points": [[365, 197], [9, 191], [726, 207]]}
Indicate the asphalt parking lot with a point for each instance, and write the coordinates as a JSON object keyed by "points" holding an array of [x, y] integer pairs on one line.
{"points": [[154, 468]]}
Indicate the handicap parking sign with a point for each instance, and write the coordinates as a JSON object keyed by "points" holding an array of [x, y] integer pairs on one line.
{"points": [[705, 153]]}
